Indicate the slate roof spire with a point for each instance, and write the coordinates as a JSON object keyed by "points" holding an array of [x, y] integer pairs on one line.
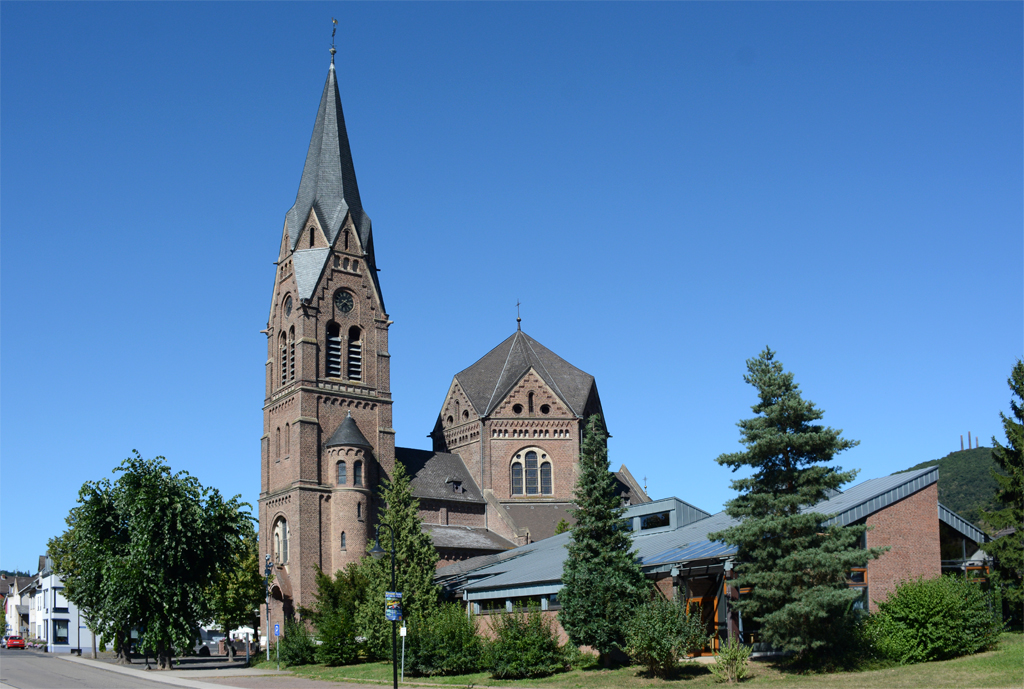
{"points": [[328, 184]]}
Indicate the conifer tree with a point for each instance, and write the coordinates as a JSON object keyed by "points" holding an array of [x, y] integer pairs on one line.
{"points": [[797, 568], [601, 577], [416, 561], [1008, 549]]}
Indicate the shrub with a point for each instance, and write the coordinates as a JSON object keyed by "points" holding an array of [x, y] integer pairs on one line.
{"points": [[524, 645], [661, 631], [297, 646], [337, 636], [933, 619], [731, 664], [444, 643]]}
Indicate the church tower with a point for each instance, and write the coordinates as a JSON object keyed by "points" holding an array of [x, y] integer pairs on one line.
{"points": [[327, 435]]}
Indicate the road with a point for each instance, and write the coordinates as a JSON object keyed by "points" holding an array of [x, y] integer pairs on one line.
{"points": [[29, 669]]}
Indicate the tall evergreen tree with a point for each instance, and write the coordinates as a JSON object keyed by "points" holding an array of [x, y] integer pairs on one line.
{"points": [[416, 561], [1008, 549], [797, 568], [601, 577]]}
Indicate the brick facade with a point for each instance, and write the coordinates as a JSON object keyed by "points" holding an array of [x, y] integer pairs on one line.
{"points": [[910, 528]]}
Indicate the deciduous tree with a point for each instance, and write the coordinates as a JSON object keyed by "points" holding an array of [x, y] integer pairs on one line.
{"points": [[601, 577], [143, 551], [237, 589], [797, 567]]}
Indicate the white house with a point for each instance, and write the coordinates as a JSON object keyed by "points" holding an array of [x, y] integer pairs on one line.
{"points": [[56, 619]]}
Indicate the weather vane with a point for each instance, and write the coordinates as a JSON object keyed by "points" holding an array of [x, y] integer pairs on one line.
{"points": [[333, 31], [519, 321]]}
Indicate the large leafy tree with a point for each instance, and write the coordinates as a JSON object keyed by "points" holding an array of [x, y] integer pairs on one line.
{"points": [[416, 561], [601, 577], [797, 568], [1008, 549], [237, 590], [142, 552]]}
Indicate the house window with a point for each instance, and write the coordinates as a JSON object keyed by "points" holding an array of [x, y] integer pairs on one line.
{"points": [[654, 521], [281, 541], [60, 631], [342, 474], [357, 474], [355, 354], [333, 350]]}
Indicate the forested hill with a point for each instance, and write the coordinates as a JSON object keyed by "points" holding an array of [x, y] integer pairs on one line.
{"points": [[966, 485]]}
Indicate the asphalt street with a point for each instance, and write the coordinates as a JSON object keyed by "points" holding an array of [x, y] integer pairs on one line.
{"points": [[30, 669]]}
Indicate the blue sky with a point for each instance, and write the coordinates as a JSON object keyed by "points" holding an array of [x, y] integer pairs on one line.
{"points": [[667, 188]]}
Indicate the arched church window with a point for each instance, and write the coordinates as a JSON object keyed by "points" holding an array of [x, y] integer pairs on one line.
{"points": [[311, 236], [517, 479], [344, 545], [287, 438], [342, 474], [355, 354], [277, 443], [357, 474], [281, 541], [291, 353], [346, 246], [531, 473], [333, 350], [529, 405], [545, 478], [465, 415], [287, 306], [359, 510]]}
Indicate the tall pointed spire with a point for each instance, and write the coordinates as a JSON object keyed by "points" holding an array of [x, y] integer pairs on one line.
{"points": [[328, 185]]}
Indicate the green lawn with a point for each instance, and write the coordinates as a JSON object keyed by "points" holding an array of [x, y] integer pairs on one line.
{"points": [[1003, 667]]}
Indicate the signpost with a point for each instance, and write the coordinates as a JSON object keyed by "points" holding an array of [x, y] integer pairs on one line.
{"points": [[401, 633], [277, 644]]}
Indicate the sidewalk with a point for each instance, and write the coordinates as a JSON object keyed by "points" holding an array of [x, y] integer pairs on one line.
{"points": [[192, 676]]}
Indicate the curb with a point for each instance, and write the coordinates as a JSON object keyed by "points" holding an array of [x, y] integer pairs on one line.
{"points": [[161, 676]]}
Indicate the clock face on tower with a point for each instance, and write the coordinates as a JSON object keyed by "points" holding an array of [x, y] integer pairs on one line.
{"points": [[343, 301]]}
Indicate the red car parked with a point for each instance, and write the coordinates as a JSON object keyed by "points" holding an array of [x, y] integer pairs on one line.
{"points": [[15, 642]]}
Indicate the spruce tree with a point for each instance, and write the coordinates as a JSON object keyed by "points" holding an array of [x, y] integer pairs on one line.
{"points": [[797, 568], [1008, 549], [415, 559], [601, 577]]}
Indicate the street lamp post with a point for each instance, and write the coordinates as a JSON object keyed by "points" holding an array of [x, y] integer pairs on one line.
{"points": [[378, 553], [266, 585]]}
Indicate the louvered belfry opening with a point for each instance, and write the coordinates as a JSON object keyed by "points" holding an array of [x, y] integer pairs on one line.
{"points": [[333, 350], [291, 354], [355, 354], [284, 359]]}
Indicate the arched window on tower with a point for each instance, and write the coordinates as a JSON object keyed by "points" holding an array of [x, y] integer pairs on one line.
{"points": [[281, 541], [342, 474], [357, 474], [529, 405], [291, 353], [277, 443], [283, 354], [344, 545], [359, 510], [287, 438], [355, 354], [311, 236], [333, 350]]}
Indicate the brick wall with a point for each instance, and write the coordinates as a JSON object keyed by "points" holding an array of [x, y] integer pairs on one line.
{"points": [[911, 528]]}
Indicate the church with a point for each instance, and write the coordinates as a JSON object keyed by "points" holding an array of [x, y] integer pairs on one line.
{"points": [[505, 443]]}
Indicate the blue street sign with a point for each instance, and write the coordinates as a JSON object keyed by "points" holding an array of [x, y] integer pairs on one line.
{"points": [[277, 630]]}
